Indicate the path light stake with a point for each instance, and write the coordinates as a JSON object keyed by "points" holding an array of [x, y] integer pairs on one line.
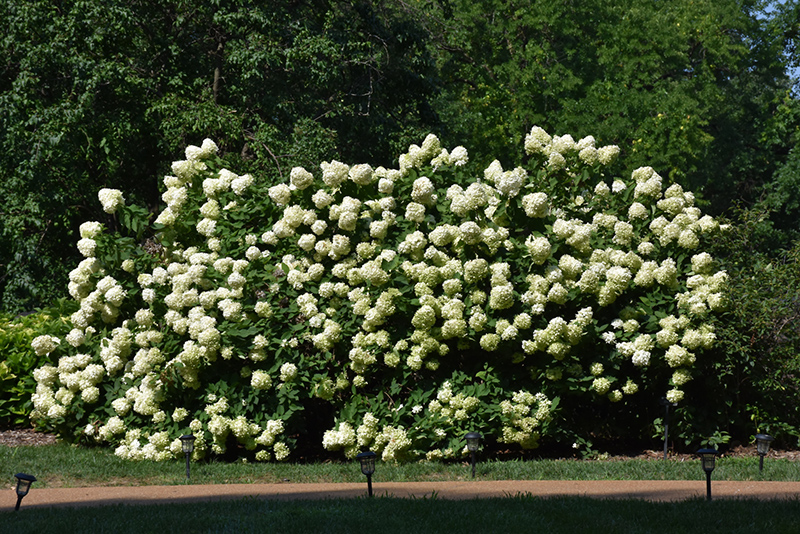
{"points": [[666, 404], [708, 458], [187, 444], [762, 446], [473, 442], [23, 487], [367, 460]]}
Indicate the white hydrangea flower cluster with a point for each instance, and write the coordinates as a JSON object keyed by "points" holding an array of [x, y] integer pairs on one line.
{"points": [[451, 407], [132, 351], [45, 344], [341, 437], [333, 285], [522, 415], [556, 148], [393, 442], [138, 445], [111, 199]]}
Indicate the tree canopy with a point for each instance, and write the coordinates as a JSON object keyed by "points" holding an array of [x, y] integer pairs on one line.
{"points": [[686, 86], [95, 94]]}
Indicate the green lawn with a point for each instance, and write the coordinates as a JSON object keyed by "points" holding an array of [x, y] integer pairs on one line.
{"points": [[568, 515], [65, 466]]}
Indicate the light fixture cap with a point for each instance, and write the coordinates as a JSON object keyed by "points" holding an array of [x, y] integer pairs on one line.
{"points": [[664, 402], [762, 443], [367, 460], [473, 441], [24, 482], [187, 442], [708, 458]]}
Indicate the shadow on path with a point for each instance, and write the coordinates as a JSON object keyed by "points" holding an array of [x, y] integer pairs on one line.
{"points": [[648, 490]]}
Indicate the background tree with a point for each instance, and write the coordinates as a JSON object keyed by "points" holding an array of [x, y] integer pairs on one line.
{"points": [[688, 87], [751, 380], [779, 196], [95, 94]]}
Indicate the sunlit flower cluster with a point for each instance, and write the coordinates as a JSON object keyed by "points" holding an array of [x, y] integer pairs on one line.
{"points": [[111, 199], [453, 406]]}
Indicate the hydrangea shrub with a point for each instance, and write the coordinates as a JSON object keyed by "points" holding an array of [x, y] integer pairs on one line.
{"points": [[398, 308]]}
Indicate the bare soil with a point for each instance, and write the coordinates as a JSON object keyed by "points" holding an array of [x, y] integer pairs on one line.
{"points": [[740, 451], [26, 437]]}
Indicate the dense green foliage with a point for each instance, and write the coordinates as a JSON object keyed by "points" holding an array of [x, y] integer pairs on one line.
{"points": [[754, 375], [103, 94], [19, 359], [91, 96], [95, 93], [688, 87]]}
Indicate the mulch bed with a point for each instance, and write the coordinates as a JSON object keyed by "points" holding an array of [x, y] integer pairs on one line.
{"points": [[739, 451], [26, 436]]}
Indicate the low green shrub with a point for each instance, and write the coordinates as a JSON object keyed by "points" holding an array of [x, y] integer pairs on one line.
{"points": [[18, 360]]}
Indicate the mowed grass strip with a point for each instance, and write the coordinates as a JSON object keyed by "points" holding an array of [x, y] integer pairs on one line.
{"points": [[63, 465], [522, 513]]}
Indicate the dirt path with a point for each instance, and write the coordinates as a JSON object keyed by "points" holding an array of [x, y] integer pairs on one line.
{"points": [[662, 490]]}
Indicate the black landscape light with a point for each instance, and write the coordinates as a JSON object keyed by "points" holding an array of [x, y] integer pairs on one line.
{"points": [[187, 444], [666, 404], [473, 442], [23, 486], [762, 446], [367, 460], [708, 458]]}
